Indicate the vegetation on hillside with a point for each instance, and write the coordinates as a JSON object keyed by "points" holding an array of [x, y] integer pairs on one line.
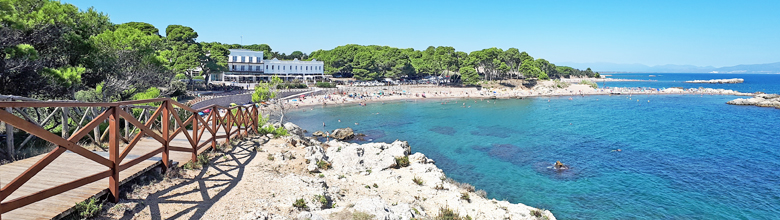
{"points": [[53, 50]]}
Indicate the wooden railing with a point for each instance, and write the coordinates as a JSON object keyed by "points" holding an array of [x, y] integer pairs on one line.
{"points": [[161, 119]]}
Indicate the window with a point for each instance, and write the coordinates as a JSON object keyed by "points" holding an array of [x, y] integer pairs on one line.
{"points": [[242, 68], [272, 66], [307, 68], [266, 66]]}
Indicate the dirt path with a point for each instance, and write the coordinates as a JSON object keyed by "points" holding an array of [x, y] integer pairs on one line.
{"points": [[187, 193]]}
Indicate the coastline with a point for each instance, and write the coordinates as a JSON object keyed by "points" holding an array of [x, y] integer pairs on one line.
{"points": [[341, 96], [304, 178]]}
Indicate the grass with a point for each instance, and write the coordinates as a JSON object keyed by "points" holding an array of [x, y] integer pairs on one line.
{"points": [[358, 215], [322, 175], [88, 209], [270, 157], [402, 161], [417, 180], [300, 204], [448, 214], [203, 160], [591, 84]]}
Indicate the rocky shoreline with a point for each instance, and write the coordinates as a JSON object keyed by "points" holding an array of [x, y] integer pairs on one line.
{"points": [[341, 180], [760, 100], [718, 81]]}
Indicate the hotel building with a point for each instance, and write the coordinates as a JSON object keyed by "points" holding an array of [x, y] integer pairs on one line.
{"points": [[246, 66]]}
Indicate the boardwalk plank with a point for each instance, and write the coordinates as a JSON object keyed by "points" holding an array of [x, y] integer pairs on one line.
{"points": [[71, 166]]}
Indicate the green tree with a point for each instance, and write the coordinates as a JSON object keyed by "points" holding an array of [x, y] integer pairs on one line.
{"points": [[469, 75]]}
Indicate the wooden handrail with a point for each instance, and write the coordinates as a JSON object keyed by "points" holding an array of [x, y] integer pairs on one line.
{"points": [[245, 117]]}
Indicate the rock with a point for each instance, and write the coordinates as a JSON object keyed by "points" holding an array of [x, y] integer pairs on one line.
{"points": [[761, 100], [560, 166], [376, 206], [318, 134], [309, 215], [343, 134], [293, 129], [718, 81], [354, 158]]}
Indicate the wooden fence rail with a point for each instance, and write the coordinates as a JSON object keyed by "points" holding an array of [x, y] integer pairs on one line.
{"points": [[160, 119]]}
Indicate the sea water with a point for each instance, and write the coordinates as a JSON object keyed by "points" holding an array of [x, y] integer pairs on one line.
{"points": [[682, 156]]}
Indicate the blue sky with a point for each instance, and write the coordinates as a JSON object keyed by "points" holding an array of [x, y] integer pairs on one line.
{"points": [[702, 33]]}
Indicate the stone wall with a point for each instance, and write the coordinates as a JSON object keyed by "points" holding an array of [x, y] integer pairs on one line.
{"points": [[241, 98], [225, 100]]}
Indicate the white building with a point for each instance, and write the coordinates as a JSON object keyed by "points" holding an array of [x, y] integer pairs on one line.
{"points": [[246, 66]]}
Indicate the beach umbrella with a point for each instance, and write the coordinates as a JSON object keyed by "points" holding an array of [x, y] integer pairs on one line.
{"points": [[207, 110]]}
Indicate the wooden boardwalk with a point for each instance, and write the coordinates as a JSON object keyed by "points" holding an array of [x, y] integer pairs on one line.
{"points": [[72, 166], [49, 185]]}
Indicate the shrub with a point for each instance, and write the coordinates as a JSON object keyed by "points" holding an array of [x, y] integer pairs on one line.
{"points": [[402, 161], [325, 85], [291, 86], [180, 76], [417, 180], [270, 157], [482, 193], [321, 199], [323, 165], [465, 196], [300, 204], [376, 186], [536, 213], [88, 209]]}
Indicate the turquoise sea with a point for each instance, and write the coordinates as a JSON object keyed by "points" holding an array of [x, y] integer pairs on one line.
{"points": [[683, 156]]}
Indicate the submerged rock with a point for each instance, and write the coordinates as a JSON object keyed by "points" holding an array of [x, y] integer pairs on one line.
{"points": [[718, 81]]}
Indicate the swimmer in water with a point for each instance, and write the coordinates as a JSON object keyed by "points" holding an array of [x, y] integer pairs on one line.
{"points": [[339, 120], [356, 123], [323, 124]]}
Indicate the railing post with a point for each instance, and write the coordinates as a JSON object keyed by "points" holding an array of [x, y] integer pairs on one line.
{"points": [[113, 152], [214, 116], [65, 123], [96, 130], [195, 122], [127, 123], [229, 124], [9, 137], [256, 119], [166, 117]]}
